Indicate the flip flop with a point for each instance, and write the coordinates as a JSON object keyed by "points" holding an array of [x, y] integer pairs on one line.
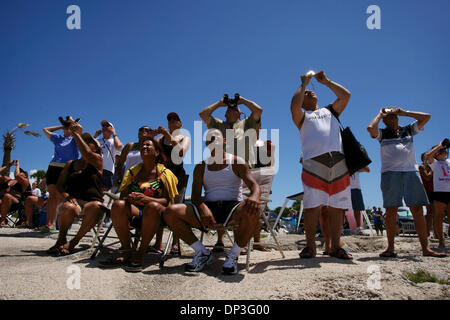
{"points": [[261, 248], [341, 254], [307, 253], [388, 254], [154, 250], [435, 255]]}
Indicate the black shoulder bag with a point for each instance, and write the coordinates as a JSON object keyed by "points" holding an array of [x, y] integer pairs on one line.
{"points": [[356, 156]]}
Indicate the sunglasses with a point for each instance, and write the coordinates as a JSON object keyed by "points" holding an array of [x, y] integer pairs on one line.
{"points": [[145, 130]]}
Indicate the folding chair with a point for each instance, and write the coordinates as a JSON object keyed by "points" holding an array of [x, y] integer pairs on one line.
{"points": [[18, 209], [164, 255], [264, 177], [108, 198]]}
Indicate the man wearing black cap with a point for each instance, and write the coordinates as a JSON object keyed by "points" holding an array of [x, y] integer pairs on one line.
{"points": [[110, 143]]}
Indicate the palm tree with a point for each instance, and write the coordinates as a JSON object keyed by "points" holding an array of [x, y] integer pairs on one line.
{"points": [[9, 139]]}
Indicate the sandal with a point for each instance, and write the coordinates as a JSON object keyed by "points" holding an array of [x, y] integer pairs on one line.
{"points": [[261, 248], [133, 266], [341, 254], [53, 250], [113, 263], [388, 254], [435, 254], [219, 247], [307, 253], [174, 250], [243, 252]]}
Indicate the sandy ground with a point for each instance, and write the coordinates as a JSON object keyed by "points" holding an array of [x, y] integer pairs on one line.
{"points": [[28, 273]]}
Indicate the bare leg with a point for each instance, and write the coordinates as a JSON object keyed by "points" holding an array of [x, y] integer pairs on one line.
{"points": [[325, 225], [391, 227], [357, 215], [8, 201], [53, 200], [30, 203], [310, 224], [439, 208], [421, 229], [92, 214], [429, 218], [336, 220], [247, 225], [151, 217], [181, 219], [67, 215]]}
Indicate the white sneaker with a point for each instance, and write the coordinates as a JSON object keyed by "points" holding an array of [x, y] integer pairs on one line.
{"points": [[199, 262], [230, 265]]}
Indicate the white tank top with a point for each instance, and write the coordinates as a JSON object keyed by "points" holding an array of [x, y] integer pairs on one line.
{"points": [[320, 134], [133, 158], [223, 184]]}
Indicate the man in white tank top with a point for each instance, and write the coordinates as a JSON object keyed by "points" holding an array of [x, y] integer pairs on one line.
{"points": [[325, 177], [221, 177]]}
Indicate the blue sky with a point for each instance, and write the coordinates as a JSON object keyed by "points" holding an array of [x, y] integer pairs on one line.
{"points": [[133, 62]]}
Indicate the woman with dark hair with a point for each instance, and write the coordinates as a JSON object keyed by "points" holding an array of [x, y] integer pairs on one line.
{"points": [[80, 183], [146, 190], [130, 154], [65, 150], [15, 192]]}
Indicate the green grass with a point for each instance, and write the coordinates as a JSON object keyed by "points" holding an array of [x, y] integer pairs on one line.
{"points": [[422, 276]]}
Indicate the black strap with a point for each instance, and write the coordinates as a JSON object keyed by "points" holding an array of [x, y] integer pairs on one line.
{"points": [[334, 113]]}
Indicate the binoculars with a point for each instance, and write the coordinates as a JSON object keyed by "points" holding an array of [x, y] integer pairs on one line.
{"points": [[66, 122], [232, 103]]}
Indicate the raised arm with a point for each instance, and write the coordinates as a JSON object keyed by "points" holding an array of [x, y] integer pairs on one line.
{"points": [[91, 157], [206, 113], [49, 130], [421, 117], [254, 108], [122, 159], [430, 154], [373, 125], [297, 102], [343, 95]]}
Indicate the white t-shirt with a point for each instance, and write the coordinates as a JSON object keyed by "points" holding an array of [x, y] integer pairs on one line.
{"points": [[354, 181], [133, 158], [441, 175], [108, 152], [397, 150], [36, 192], [320, 133]]}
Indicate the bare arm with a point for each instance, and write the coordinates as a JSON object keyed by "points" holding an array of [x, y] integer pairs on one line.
{"points": [[206, 113], [373, 125], [62, 180], [297, 102], [252, 202], [430, 154], [421, 117], [254, 108], [343, 95], [117, 143], [49, 130], [122, 159], [91, 157], [197, 184]]}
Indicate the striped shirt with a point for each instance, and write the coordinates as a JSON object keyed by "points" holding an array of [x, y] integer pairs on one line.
{"points": [[397, 148]]}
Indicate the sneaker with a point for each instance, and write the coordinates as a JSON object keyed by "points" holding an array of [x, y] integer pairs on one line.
{"points": [[230, 265], [199, 262]]}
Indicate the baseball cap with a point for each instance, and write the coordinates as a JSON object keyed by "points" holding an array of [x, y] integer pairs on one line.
{"points": [[106, 123], [173, 115]]}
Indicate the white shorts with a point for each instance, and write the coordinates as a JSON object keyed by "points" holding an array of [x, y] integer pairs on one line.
{"points": [[313, 198]]}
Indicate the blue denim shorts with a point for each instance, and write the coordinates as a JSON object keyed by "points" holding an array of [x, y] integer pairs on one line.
{"points": [[397, 186], [357, 200]]}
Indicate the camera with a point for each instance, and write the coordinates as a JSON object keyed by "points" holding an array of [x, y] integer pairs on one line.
{"points": [[66, 122], [446, 143], [232, 103]]}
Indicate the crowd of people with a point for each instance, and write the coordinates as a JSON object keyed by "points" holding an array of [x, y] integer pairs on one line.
{"points": [[151, 179]]}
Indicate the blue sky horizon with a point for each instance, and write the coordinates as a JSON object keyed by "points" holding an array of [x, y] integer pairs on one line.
{"points": [[134, 62]]}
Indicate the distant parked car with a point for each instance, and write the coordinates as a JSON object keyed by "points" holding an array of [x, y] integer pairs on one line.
{"points": [[406, 221]]}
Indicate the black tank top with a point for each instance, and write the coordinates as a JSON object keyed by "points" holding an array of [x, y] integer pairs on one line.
{"points": [[85, 184], [177, 169]]}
